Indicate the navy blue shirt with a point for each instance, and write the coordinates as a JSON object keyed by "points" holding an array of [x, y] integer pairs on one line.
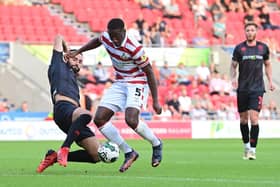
{"points": [[62, 79], [250, 60]]}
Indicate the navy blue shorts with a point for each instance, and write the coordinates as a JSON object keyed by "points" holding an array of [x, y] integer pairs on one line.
{"points": [[63, 111], [249, 101]]}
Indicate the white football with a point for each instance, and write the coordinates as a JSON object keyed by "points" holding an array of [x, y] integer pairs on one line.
{"points": [[108, 152]]}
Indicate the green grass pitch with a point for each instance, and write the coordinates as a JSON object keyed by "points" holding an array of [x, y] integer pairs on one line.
{"points": [[190, 163]]}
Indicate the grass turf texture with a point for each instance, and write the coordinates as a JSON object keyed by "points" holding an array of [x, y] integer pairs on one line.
{"points": [[192, 163]]}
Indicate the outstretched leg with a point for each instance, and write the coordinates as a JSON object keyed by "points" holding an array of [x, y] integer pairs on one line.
{"points": [[141, 128], [102, 121]]}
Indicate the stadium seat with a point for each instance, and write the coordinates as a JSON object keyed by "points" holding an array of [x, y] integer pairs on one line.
{"points": [[95, 25], [82, 16], [31, 21], [68, 7]]}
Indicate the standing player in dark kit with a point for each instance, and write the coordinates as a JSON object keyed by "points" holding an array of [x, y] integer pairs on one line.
{"points": [[134, 77], [250, 56], [68, 115]]}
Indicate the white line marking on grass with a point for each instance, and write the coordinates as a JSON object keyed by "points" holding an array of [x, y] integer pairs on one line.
{"points": [[164, 178], [182, 179]]}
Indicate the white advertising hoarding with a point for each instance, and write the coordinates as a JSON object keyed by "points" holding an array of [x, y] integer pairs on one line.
{"points": [[30, 130], [231, 129], [47, 130]]}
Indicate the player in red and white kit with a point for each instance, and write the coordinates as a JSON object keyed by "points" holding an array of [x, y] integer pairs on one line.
{"points": [[129, 92]]}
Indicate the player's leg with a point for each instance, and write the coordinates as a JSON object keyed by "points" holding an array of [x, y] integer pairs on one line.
{"points": [[242, 104], [255, 105], [136, 99], [80, 118], [254, 133], [89, 154], [114, 100], [141, 128], [87, 140], [102, 121], [63, 118], [244, 129]]}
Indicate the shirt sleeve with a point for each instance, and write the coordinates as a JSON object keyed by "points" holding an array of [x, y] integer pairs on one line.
{"points": [[141, 59], [235, 55], [266, 55], [57, 57]]}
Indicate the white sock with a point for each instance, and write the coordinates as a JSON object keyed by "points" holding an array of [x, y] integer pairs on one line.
{"points": [[253, 149], [247, 145], [112, 134], [145, 132]]}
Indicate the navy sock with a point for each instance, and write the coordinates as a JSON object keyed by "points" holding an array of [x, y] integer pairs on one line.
{"points": [[254, 135], [80, 156], [74, 130], [244, 128]]}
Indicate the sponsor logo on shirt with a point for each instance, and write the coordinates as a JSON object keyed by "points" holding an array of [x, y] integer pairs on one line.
{"points": [[124, 56], [252, 57], [143, 58]]}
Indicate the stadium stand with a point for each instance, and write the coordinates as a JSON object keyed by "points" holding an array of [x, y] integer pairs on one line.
{"points": [[33, 24], [37, 24]]}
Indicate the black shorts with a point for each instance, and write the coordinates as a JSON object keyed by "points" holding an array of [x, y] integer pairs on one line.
{"points": [[63, 111], [249, 101]]}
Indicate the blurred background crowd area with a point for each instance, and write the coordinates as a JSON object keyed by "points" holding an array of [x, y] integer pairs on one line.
{"points": [[202, 92], [177, 23]]}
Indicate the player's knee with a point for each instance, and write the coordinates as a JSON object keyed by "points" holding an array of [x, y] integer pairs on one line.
{"points": [[86, 118], [98, 121], [131, 121], [244, 121], [254, 117], [254, 121], [244, 118]]}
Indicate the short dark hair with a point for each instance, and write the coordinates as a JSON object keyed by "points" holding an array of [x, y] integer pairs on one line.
{"points": [[115, 23], [250, 24]]}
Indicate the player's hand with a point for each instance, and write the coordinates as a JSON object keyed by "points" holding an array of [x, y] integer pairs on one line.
{"points": [[157, 107], [271, 87], [66, 58], [71, 54], [234, 84]]}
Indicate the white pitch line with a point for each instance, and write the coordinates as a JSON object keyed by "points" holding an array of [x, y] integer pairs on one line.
{"points": [[166, 178], [183, 179]]}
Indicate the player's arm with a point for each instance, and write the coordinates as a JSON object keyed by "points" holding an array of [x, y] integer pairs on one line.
{"points": [[92, 44], [268, 73], [65, 47], [153, 87], [233, 73], [59, 44], [233, 68]]}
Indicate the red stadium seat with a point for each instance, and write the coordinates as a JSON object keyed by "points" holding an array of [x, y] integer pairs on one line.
{"points": [[82, 16], [9, 37], [33, 23], [68, 7]]}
